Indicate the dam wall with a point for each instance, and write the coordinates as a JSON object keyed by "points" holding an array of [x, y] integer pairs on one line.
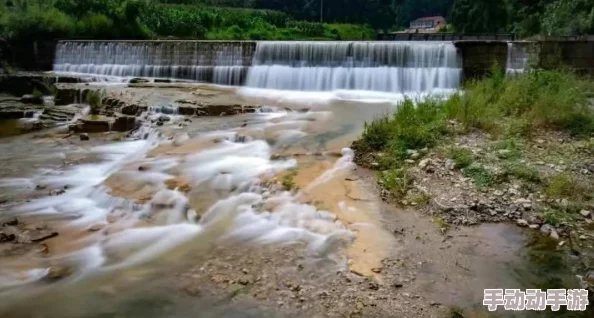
{"points": [[324, 63]]}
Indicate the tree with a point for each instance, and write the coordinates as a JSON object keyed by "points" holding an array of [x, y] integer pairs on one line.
{"points": [[479, 16]]}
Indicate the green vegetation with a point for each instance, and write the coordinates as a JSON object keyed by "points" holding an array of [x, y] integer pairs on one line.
{"points": [[462, 157], [522, 171], [565, 186], [93, 99], [25, 20], [442, 224], [397, 181], [288, 181], [480, 175], [547, 17], [542, 100]]}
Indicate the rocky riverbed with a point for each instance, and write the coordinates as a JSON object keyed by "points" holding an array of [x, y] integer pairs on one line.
{"points": [[411, 256]]}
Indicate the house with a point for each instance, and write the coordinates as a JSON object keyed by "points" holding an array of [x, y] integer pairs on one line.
{"points": [[427, 24]]}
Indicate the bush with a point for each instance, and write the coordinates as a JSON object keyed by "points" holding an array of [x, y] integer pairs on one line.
{"points": [[462, 157], [565, 186], [480, 176], [522, 172], [93, 99], [397, 181]]}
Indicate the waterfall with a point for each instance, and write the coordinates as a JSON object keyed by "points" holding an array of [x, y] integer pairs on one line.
{"points": [[517, 59], [375, 66], [213, 62], [305, 66]]}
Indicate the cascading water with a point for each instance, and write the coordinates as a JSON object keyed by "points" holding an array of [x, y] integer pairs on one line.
{"points": [[212, 62], [393, 67], [517, 59], [375, 66]]}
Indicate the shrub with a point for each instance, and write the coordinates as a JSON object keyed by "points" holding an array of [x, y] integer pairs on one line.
{"points": [[522, 172], [480, 176], [397, 181], [566, 186], [462, 157], [93, 99]]}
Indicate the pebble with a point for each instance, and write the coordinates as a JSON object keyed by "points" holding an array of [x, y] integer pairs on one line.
{"points": [[554, 235], [534, 226], [585, 213], [423, 164], [546, 229], [522, 223], [84, 136]]}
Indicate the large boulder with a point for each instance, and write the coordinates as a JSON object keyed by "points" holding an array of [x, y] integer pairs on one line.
{"points": [[124, 123], [96, 123]]}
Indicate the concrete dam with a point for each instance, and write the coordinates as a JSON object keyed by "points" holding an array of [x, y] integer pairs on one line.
{"points": [[319, 66]]}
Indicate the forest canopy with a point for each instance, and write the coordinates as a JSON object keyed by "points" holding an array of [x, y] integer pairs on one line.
{"points": [[23, 20]]}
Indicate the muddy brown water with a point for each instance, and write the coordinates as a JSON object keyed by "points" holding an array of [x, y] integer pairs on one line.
{"points": [[451, 270]]}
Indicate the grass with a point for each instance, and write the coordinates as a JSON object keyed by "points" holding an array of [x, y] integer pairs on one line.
{"points": [[553, 216], [397, 181], [462, 157], [420, 199], [481, 176], [442, 224], [508, 148], [415, 125], [93, 99], [288, 181], [522, 171], [565, 186]]}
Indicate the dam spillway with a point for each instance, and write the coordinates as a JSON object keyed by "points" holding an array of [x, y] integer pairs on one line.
{"points": [[296, 65]]}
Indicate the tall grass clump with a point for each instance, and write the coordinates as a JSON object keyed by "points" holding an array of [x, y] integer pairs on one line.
{"points": [[414, 125], [539, 99]]}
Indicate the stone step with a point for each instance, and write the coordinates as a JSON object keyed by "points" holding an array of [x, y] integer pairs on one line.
{"points": [[52, 117]]}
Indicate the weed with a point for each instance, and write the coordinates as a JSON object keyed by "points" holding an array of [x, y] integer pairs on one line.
{"points": [[421, 198], [461, 156], [442, 224], [397, 181], [553, 216], [480, 176], [508, 149], [522, 171], [93, 99], [288, 181], [414, 125], [563, 186]]}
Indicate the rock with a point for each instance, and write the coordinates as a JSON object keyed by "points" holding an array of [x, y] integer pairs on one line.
{"points": [[546, 229], [398, 285], [163, 118], [58, 272], [159, 123], [138, 80], [186, 110], [376, 270], [522, 223], [554, 235], [423, 164], [144, 167], [84, 136], [96, 227], [534, 226], [409, 161], [32, 99], [96, 123], [375, 164], [583, 237], [12, 222], [585, 213], [40, 236], [450, 164], [132, 109], [124, 123]]}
